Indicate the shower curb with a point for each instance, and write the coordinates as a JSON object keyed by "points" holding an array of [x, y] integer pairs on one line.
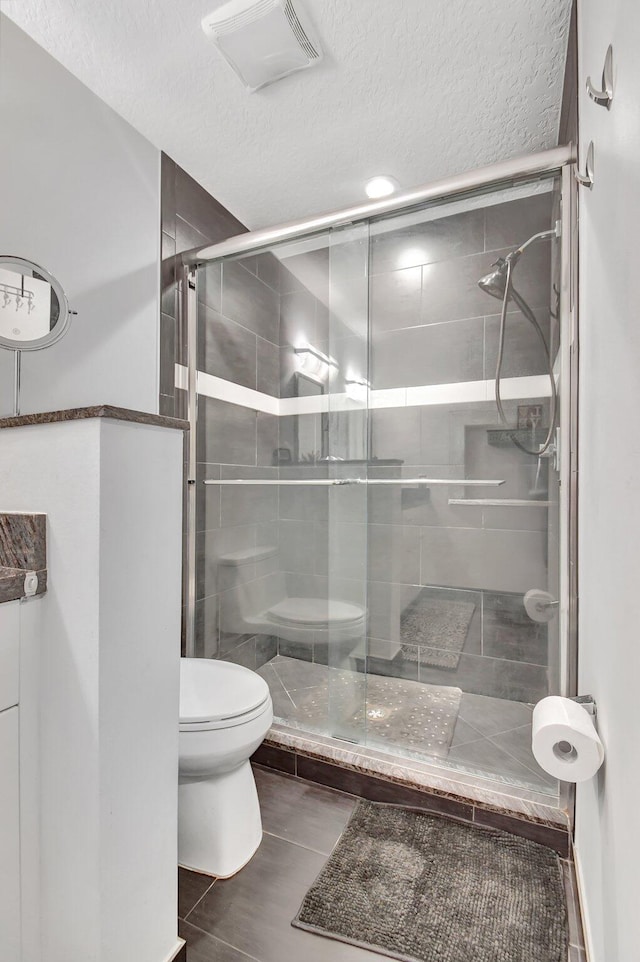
{"points": [[315, 761]]}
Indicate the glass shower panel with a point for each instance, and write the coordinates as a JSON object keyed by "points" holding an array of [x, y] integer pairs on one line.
{"points": [[451, 564], [348, 459], [375, 528]]}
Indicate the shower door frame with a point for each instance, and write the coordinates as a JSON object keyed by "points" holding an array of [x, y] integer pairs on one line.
{"points": [[560, 161]]}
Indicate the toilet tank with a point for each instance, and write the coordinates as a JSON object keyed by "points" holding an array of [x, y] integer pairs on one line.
{"points": [[251, 584]]}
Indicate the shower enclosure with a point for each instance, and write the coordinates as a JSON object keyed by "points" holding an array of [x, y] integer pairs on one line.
{"points": [[367, 531]]}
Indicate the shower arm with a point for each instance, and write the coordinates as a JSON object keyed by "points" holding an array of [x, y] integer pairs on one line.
{"points": [[543, 235]]}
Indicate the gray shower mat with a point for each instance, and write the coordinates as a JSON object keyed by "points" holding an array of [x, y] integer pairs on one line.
{"points": [[420, 888], [437, 628], [417, 716]]}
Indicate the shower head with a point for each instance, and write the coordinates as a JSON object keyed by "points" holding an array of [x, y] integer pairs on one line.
{"points": [[495, 281]]}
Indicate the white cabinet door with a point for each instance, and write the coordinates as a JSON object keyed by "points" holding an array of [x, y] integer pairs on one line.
{"points": [[9, 653], [9, 838]]}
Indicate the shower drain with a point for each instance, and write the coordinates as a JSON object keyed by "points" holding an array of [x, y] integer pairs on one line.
{"points": [[377, 713]]}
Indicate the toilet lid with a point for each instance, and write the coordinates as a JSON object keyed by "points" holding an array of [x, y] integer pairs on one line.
{"points": [[315, 612], [218, 690]]}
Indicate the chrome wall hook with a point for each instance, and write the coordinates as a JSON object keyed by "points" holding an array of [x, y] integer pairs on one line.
{"points": [[586, 179], [603, 97]]}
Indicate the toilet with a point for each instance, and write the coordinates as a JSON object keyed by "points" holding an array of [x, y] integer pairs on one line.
{"points": [[225, 713], [258, 603]]}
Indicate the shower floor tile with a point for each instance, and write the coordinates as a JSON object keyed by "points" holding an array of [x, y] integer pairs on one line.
{"points": [[356, 707], [490, 736]]}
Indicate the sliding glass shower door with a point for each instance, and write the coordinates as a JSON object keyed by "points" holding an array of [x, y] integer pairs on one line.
{"points": [[378, 538]]}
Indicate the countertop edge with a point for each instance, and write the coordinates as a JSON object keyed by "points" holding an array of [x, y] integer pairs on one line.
{"points": [[12, 584], [95, 411]]}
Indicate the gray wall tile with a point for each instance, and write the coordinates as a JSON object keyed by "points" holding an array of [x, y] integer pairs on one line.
{"points": [[395, 433], [248, 504], [168, 274], [225, 349], [491, 676], [226, 433], [394, 553], [395, 299], [268, 373], [209, 286], [267, 441], [490, 559], [426, 243], [433, 354], [249, 301], [196, 206], [512, 223], [524, 354]]}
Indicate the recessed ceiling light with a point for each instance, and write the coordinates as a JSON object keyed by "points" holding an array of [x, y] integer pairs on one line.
{"points": [[381, 186]]}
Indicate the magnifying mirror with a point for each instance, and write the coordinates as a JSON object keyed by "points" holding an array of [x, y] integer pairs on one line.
{"points": [[34, 312]]}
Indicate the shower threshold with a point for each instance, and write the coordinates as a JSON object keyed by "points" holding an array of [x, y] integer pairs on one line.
{"points": [[444, 781]]}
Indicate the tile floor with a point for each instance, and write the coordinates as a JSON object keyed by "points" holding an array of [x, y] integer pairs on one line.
{"points": [[491, 736], [248, 918]]}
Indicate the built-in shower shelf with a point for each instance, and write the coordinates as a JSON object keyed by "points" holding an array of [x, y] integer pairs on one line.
{"points": [[504, 437]]}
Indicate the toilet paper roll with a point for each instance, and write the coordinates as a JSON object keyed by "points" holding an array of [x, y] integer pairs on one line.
{"points": [[564, 740]]}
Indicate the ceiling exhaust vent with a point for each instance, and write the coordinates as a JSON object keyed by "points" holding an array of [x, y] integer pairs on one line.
{"points": [[263, 40]]}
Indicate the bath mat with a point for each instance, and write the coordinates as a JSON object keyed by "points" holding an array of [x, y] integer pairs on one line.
{"points": [[438, 627], [417, 716], [421, 888]]}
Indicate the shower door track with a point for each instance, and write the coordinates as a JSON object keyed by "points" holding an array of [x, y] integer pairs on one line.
{"points": [[502, 174]]}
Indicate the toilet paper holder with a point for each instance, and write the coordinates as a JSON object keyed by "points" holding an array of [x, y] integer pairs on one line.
{"points": [[588, 703]]}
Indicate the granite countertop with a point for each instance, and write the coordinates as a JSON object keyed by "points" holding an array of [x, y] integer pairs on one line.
{"points": [[96, 411], [23, 548]]}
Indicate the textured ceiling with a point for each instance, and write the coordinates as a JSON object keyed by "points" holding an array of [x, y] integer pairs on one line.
{"points": [[415, 88]]}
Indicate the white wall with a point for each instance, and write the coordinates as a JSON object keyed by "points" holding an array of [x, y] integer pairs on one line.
{"points": [[107, 650], [607, 821], [79, 195]]}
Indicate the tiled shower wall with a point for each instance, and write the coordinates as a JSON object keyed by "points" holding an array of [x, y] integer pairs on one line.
{"points": [[427, 326], [238, 333], [227, 434]]}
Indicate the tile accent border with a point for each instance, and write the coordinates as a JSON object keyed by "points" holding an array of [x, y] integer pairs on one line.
{"points": [[355, 773], [459, 392]]}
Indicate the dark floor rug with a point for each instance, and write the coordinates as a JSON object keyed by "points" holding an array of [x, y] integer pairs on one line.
{"points": [[435, 630], [420, 888]]}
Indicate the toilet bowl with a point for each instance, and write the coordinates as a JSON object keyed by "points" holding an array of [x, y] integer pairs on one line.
{"points": [[258, 603], [225, 713]]}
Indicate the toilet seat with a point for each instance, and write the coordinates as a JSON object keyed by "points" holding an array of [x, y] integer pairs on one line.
{"points": [[219, 694], [315, 613]]}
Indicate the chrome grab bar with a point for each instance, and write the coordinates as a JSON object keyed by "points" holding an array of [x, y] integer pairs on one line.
{"points": [[331, 481]]}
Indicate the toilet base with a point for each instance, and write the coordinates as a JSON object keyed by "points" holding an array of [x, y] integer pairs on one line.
{"points": [[219, 823]]}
